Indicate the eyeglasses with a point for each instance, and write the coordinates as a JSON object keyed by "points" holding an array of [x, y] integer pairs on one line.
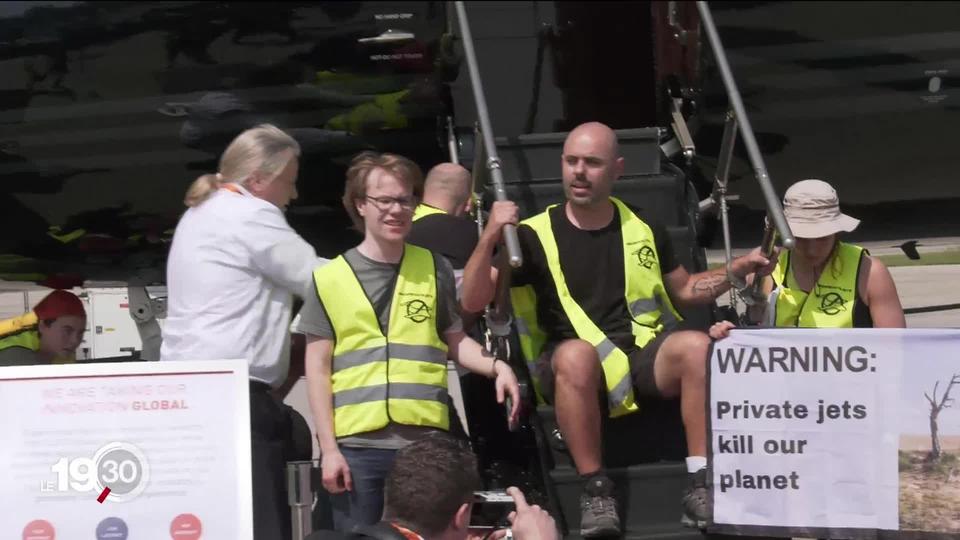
{"points": [[385, 203]]}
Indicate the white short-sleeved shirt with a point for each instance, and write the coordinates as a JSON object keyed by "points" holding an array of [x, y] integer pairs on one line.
{"points": [[233, 267]]}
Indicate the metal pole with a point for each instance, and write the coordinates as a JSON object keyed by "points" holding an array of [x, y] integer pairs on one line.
{"points": [[721, 179], [452, 142], [477, 178], [300, 497], [493, 161], [753, 150], [723, 172]]}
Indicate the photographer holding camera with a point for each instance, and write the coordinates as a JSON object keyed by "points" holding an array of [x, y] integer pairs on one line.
{"points": [[429, 495]]}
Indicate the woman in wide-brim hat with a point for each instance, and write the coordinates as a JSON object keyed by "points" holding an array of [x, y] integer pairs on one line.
{"points": [[823, 282]]}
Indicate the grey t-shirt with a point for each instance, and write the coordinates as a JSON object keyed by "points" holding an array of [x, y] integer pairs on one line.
{"points": [[378, 281]]}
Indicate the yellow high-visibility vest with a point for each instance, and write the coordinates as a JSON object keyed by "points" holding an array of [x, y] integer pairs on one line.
{"points": [[831, 302], [377, 379], [384, 112], [646, 299], [424, 210], [28, 339], [21, 331]]}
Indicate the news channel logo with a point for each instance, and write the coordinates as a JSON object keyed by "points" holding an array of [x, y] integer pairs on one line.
{"points": [[119, 467]]}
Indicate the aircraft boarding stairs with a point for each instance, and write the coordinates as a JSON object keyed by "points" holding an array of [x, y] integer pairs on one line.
{"points": [[643, 452]]}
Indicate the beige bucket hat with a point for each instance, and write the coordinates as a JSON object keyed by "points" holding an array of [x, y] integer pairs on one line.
{"points": [[812, 209]]}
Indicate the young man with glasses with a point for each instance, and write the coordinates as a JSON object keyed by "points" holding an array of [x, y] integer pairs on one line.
{"points": [[379, 330]]}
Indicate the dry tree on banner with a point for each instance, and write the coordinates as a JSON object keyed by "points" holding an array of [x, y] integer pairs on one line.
{"points": [[945, 402]]}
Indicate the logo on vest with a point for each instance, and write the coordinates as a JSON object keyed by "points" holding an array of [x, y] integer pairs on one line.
{"points": [[646, 257], [417, 311], [832, 303]]}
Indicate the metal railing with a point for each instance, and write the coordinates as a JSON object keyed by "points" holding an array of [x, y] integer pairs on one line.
{"points": [[300, 497], [737, 120], [492, 161], [452, 145]]}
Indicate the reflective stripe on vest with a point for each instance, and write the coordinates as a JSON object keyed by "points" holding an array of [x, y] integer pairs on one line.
{"points": [[377, 379], [424, 210], [532, 338], [28, 339], [645, 297], [831, 302]]}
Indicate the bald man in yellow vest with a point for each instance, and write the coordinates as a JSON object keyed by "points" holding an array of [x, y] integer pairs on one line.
{"points": [[605, 284], [440, 221]]}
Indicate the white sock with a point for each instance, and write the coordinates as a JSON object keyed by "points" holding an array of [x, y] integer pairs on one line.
{"points": [[695, 463]]}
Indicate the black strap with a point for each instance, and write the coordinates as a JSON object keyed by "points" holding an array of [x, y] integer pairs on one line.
{"points": [[262, 387]]}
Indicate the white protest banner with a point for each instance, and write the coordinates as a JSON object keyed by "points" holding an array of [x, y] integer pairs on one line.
{"points": [[835, 433], [126, 450]]}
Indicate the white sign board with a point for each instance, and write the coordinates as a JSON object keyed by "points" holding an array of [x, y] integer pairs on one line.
{"points": [[157, 450], [827, 433]]}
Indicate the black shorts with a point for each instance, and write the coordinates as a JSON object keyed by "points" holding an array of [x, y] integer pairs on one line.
{"points": [[641, 370]]}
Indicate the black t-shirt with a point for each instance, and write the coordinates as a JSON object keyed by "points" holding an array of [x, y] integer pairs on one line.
{"points": [[453, 237], [592, 263]]}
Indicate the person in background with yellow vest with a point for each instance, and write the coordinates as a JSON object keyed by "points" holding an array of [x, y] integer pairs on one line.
{"points": [[603, 285], [446, 190], [823, 282], [48, 334], [382, 322], [439, 221]]}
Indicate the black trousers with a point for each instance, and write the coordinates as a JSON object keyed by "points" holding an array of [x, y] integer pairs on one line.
{"points": [[278, 434]]}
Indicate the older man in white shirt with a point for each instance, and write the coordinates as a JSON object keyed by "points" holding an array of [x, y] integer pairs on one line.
{"points": [[232, 271], [233, 266]]}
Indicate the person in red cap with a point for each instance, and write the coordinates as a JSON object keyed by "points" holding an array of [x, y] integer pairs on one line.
{"points": [[49, 334]]}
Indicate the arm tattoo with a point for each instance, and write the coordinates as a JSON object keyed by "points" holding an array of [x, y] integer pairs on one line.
{"points": [[710, 286]]}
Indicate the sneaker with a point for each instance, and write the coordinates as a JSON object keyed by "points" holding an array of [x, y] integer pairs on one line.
{"points": [[697, 508], [598, 509]]}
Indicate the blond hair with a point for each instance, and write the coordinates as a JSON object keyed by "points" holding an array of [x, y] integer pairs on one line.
{"points": [[362, 165], [264, 149]]}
